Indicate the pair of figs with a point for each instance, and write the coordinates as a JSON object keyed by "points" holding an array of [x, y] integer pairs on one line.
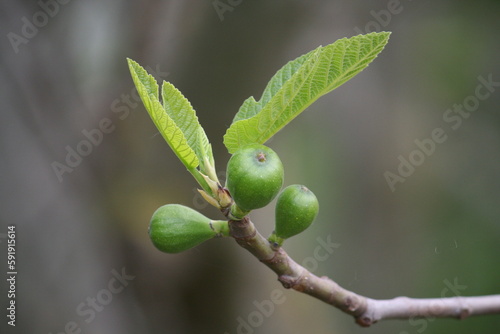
{"points": [[254, 179]]}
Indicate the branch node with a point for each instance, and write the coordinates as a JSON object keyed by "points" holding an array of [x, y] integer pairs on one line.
{"points": [[351, 304], [240, 230], [465, 313], [465, 310], [365, 321], [291, 282], [277, 258]]}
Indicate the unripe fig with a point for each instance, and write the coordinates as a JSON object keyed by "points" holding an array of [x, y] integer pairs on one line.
{"points": [[254, 176], [296, 209], [175, 228]]}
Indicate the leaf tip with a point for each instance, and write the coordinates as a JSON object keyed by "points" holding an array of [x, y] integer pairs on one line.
{"points": [[131, 63]]}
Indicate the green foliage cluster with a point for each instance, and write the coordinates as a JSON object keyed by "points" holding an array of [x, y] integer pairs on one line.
{"points": [[255, 172]]}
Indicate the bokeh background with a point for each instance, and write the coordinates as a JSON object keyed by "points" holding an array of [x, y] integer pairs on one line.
{"points": [[438, 229]]}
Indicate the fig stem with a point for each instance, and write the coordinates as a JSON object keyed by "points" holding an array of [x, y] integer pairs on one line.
{"points": [[237, 213], [366, 311], [275, 241], [221, 227]]}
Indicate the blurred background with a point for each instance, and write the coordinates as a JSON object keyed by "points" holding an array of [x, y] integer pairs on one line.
{"points": [[85, 263]]}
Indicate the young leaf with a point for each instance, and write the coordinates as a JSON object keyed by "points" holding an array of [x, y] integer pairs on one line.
{"points": [[173, 135], [251, 107], [145, 83], [182, 113], [300, 83]]}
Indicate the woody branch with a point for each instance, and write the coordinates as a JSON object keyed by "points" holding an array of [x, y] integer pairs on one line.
{"points": [[366, 311]]}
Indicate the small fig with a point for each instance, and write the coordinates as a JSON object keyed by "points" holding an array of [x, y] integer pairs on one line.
{"points": [[296, 209], [254, 177], [175, 228]]}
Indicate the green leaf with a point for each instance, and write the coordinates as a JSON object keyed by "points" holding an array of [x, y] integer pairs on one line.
{"points": [[148, 91], [173, 135], [145, 83], [251, 107], [298, 84], [182, 113]]}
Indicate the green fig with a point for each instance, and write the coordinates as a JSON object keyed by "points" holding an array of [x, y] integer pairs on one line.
{"points": [[296, 209], [175, 228], [254, 177]]}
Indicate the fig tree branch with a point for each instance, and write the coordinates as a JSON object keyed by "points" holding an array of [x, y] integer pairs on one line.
{"points": [[366, 311]]}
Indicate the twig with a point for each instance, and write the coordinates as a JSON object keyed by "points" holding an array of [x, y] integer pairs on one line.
{"points": [[366, 311]]}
